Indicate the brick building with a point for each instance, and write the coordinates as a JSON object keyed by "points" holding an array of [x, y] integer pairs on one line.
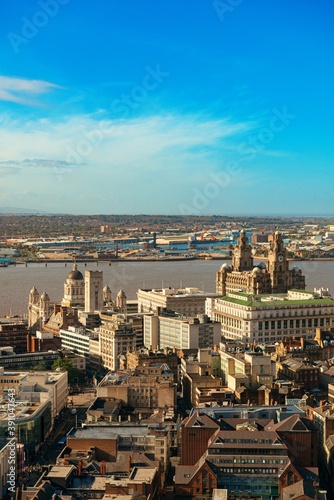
{"points": [[303, 372], [244, 454]]}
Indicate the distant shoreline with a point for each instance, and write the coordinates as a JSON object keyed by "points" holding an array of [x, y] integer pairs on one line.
{"points": [[150, 259]]}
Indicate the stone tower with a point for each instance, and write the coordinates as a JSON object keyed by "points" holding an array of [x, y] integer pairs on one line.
{"points": [[221, 277], [242, 259], [93, 291], [33, 307], [120, 302], [44, 307], [278, 265], [107, 295]]}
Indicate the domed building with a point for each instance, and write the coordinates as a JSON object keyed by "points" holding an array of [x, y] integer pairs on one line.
{"points": [[273, 277], [84, 297], [74, 289]]}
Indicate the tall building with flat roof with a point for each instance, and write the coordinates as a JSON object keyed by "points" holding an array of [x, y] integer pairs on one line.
{"points": [[93, 291], [116, 337]]}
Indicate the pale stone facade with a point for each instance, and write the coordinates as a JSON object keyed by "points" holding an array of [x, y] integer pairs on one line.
{"points": [[162, 331], [39, 308], [116, 337], [85, 294], [93, 291], [149, 386], [270, 318]]}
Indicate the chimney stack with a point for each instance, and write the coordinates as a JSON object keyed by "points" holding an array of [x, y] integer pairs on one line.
{"points": [[103, 468]]}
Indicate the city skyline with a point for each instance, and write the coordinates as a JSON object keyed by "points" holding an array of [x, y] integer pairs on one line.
{"points": [[218, 108]]}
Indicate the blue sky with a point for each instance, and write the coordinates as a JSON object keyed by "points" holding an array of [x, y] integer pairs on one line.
{"points": [[192, 107]]}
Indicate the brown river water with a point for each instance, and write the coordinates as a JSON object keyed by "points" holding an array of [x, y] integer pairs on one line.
{"points": [[16, 282]]}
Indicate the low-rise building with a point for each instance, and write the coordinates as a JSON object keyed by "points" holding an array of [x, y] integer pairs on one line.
{"points": [[305, 373], [199, 374], [320, 348], [130, 476], [151, 357], [109, 440], [148, 386], [255, 368]]}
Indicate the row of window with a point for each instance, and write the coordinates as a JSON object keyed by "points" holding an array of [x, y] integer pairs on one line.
{"points": [[246, 461], [236, 470], [292, 323], [244, 440], [250, 451]]}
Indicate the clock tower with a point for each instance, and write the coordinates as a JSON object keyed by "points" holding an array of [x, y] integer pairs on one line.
{"points": [[278, 266], [242, 259]]}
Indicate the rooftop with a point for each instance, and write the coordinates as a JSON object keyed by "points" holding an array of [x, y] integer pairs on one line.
{"points": [[140, 475], [277, 300], [177, 292], [109, 432], [60, 471]]}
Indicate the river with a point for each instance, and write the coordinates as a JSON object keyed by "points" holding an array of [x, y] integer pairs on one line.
{"points": [[16, 282]]}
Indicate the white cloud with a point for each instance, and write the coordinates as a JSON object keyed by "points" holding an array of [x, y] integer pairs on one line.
{"points": [[116, 142], [123, 161], [20, 90]]}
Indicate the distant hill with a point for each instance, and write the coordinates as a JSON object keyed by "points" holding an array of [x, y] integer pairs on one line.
{"points": [[20, 211]]}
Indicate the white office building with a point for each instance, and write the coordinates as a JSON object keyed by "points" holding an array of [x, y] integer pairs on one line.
{"points": [[270, 318], [179, 332]]}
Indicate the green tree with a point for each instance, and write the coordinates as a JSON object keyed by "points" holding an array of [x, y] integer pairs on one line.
{"points": [[66, 364], [41, 366]]}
